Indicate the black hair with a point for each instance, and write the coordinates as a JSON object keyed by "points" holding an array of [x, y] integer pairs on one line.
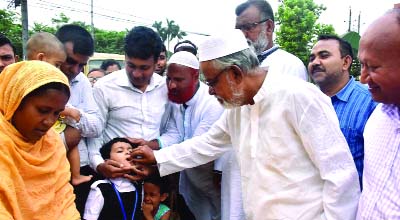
{"points": [[105, 150], [142, 43], [79, 36], [161, 182], [109, 62], [97, 69], [53, 85], [163, 48], [192, 48], [263, 6], [344, 46], [396, 12], [4, 41]]}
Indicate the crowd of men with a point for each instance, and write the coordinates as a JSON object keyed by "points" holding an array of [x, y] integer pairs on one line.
{"points": [[268, 145]]}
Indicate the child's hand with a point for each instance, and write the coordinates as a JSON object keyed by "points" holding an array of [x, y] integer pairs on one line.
{"points": [[71, 112], [147, 210]]}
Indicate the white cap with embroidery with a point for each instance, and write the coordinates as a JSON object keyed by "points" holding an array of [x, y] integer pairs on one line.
{"points": [[222, 45], [184, 58]]}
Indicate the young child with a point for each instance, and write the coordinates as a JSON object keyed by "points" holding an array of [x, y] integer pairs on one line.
{"points": [[116, 198], [155, 192], [46, 47]]}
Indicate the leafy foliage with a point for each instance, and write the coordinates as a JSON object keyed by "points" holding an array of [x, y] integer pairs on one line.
{"points": [[105, 41], [298, 27], [169, 32]]}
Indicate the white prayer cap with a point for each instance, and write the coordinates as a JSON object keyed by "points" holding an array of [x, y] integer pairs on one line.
{"points": [[184, 58], [222, 45]]}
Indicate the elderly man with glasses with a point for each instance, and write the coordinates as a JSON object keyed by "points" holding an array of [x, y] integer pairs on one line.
{"points": [[293, 159], [255, 19]]}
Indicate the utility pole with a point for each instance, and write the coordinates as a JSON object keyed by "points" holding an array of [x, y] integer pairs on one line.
{"points": [[359, 22], [91, 19], [349, 20], [24, 17]]}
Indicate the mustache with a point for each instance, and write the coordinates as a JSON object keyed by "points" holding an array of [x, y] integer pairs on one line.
{"points": [[316, 68]]}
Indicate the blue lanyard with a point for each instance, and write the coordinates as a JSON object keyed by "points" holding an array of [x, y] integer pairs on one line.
{"points": [[262, 57], [122, 204]]}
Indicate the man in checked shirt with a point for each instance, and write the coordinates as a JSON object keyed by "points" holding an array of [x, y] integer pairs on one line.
{"points": [[379, 54]]}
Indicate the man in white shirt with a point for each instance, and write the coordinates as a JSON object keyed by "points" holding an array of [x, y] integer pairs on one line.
{"points": [[260, 34], [379, 54], [79, 47], [294, 161], [132, 100], [256, 20], [193, 111]]}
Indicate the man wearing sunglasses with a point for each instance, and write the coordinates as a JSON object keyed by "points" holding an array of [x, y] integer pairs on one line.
{"points": [[255, 19], [79, 47]]}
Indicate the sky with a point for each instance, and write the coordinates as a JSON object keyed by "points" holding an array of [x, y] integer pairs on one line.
{"points": [[195, 17]]}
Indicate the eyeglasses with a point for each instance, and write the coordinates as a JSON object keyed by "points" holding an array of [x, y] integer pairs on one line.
{"points": [[92, 79], [250, 26], [213, 82]]}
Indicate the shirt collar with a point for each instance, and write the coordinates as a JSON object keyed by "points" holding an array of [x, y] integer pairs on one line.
{"points": [[262, 92], [275, 47], [346, 91], [76, 79], [123, 81], [195, 97], [123, 184], [392, 111]]}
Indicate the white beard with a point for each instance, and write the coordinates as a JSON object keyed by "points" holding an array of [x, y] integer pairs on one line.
{"points": [[261, 43], [236, 100]]}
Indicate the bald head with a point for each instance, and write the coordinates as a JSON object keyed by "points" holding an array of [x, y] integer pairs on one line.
{"points": [[46, 47], [379, 54]]}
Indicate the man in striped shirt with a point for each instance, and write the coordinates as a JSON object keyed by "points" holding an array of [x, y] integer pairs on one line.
{"points": [[379, 54], [329, 67]]}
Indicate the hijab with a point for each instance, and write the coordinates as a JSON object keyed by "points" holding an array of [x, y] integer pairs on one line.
{"points": [[34, 177]]}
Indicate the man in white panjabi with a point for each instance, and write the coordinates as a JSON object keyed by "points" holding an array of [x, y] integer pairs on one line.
{"points": [[294, 161]]}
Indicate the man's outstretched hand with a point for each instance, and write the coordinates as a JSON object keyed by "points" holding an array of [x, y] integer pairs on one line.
{"points": [[143, 155], [112, 169], [140, 172]]}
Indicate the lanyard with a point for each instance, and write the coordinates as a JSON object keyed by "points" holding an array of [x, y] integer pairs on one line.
{"points": [[262, 57], [122, 204]]}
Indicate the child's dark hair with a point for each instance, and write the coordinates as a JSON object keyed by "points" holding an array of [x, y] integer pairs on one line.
{"points": [[161, 182], [105, 150]]}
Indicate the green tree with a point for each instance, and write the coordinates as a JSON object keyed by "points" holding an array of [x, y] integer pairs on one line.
{"points": [[354, 39], [170, 32], [298, 27], [11, 27], [109, 41]]}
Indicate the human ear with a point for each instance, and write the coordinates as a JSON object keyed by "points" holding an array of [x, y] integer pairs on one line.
{"points": [[347, 62], [40, 56], [163, 197], [270, 26], [237, 74]]}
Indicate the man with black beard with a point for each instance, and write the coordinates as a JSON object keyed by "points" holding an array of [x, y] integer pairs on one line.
{"points": [[255, 19]]}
